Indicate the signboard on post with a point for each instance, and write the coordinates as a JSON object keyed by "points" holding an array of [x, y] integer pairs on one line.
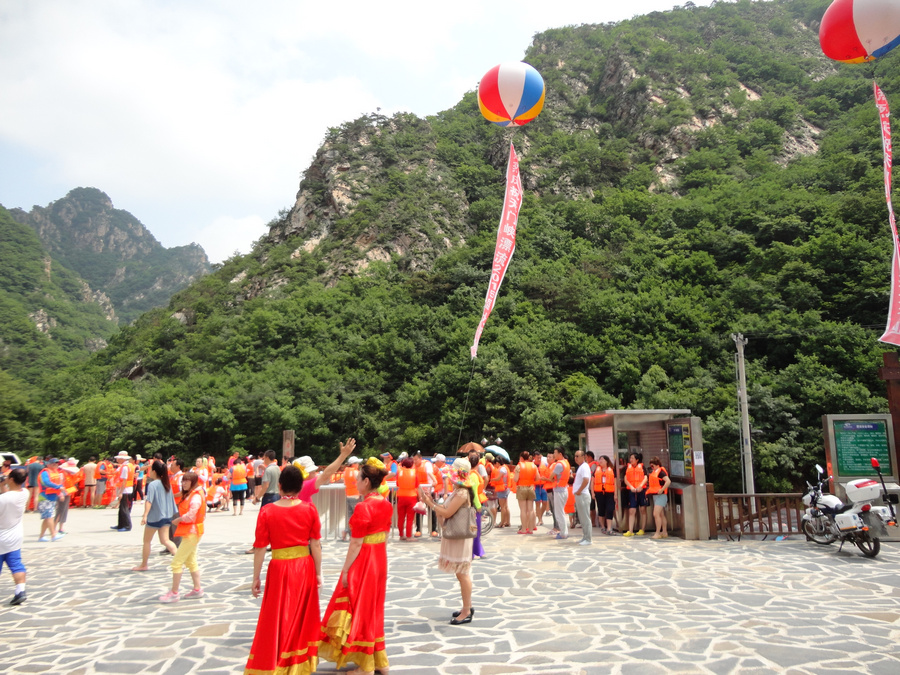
{"points": [[856, 442], [287, 444], [851, 441], [681, 450]]}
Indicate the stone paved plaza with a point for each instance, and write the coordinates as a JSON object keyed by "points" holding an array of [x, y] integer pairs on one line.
{"points": [[542, 606]]}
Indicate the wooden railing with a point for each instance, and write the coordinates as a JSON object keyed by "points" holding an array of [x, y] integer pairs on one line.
{"points": [[758, 515]]}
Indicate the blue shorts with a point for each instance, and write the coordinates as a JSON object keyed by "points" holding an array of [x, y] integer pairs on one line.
{"points": [[13, 561], [540, 494], [158, 524], [636, 499], [660, 500], [503, 495], [47, 509]]}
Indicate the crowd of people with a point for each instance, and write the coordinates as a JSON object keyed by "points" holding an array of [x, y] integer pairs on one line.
{"points": [[291, 635]]}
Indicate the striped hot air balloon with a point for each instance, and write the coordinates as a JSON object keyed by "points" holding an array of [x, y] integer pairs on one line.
{"points": [[511, 93], [856, 31]]}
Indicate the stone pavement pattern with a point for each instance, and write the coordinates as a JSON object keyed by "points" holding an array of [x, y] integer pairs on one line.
{"points": [[542, 606]]}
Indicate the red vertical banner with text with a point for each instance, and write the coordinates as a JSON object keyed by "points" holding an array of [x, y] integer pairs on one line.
{"points": [[892, 332], [506, 240]]}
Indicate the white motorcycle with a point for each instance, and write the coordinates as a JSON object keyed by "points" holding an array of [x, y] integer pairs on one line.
{"points": [[828, 519]]}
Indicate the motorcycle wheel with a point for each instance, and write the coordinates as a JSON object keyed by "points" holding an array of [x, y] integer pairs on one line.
{"points": [[869, 546], [820, 535]]}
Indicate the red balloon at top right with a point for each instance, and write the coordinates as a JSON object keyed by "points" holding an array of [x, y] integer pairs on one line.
{"points": [[856, 31]]}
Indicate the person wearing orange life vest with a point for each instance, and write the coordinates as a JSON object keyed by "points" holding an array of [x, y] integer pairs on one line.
{"points": [[560, 481], [501, 489], [189, 526], [71, 474], [238, 485], [635, 483], [427, 481], [125, 485], [658, 482], [605, 494], [351, 491], [50, 481], [101, 473], [407, 484], [215, 495], [442, 475], [525, 476]]}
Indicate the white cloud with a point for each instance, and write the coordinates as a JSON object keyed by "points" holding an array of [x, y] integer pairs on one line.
{"points": [[183, 112], [227, 235]]}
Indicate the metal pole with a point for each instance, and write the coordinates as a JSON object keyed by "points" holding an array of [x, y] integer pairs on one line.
{"points": [[746, 450], [737, 381]]}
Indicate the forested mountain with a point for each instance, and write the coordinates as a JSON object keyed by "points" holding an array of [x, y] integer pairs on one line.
{"points": [[695, 173], [50, 318], [113, 251]]}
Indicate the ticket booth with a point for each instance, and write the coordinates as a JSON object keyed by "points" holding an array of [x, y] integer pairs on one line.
{"points": [[676, 438]]}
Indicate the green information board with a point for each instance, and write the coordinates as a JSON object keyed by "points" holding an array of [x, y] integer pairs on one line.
{"points": [[681, 458], [856, 442]]}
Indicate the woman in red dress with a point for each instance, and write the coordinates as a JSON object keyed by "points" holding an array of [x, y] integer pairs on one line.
{"points": [[353, 625], [287, 632]]}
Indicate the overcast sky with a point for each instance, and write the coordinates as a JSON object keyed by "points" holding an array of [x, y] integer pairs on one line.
{"points": [[199, 116]]}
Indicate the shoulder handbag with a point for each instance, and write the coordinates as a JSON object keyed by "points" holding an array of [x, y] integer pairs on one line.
{"points": [[462, 524]]}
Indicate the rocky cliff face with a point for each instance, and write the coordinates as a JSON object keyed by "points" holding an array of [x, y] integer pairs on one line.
{"points": [[358, 170], [625, 107], [113, 251]]}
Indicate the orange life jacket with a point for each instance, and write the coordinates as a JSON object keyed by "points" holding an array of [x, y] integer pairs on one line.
{"points": [[567, 471], [53, 477], [527, 473], [184, 506], [102, 470], [634, 476], [570, 501], [604, 480], [406, 482], [498, 482], [129, 476], [238, 474], [563, 480], [422, 474], [70, 481], [211, 493], [655, 484], [350, 474], [443, 474]]}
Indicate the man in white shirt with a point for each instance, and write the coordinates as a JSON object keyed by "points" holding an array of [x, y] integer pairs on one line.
{"points": [[582, 491], [12, 532]]}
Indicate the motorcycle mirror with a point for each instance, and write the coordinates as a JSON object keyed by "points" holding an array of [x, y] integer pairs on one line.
{"points": [[819, 468], [875, 464]]}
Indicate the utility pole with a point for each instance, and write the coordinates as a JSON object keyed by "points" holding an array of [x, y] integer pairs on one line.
{"points": [[746, 451]]}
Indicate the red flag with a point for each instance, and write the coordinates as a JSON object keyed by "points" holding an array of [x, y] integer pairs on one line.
{"points": [[892, 332], [506, 240]]}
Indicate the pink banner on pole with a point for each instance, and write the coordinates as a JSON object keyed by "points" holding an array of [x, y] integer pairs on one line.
{"points": [[892, 332], [506, 240]]}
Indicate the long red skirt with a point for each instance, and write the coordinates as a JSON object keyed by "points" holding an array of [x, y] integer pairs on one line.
{"points": [[288, 629], [353, 625]]}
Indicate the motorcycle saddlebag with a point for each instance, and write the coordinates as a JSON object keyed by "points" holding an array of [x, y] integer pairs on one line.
{"points": [[873, 521]]}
